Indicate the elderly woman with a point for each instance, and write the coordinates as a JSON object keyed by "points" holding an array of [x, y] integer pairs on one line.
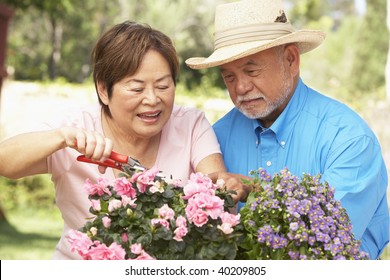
{"points": [[134, 70]]}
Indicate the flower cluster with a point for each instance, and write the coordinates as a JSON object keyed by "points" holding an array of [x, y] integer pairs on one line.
{"points": [[287, 217], [144, 216]]}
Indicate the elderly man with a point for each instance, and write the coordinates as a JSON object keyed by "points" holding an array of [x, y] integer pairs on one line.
{"points": [[278, 121]]}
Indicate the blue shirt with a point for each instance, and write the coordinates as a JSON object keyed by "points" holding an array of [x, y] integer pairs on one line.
{"points": [[317, 135]]}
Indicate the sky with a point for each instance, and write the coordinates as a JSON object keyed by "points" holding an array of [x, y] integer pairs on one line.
{"points": [[360, 6]]}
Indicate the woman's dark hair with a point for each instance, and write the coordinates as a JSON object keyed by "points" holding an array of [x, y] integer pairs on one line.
{"points": [[119, 52]]}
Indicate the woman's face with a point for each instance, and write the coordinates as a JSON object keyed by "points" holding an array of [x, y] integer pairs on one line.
{"points": [[142, 104]]}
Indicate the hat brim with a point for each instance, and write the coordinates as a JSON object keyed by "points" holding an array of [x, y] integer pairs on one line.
{"points": [[306, 41]]}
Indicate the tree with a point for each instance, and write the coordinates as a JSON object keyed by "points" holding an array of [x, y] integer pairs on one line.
{"points": [[49, 42], [371, 50], [54, 12], [387, 75]]}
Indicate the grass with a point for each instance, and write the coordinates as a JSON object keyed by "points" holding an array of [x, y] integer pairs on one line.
{"points": [[29, 236]]}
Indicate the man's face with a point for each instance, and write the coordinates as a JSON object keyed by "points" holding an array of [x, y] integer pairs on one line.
{"points": [[260, 85]]}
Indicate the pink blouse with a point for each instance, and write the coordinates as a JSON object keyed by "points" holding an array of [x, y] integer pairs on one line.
{"points": [[186, 139]]}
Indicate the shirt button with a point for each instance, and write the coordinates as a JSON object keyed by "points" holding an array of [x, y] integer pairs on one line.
{"points": [[269, 163], [283, 143]]}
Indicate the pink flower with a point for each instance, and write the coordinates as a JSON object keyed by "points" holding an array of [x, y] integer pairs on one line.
{"points": [[102, 252], [228, 222], [93, 231], [180, 232], [159, 221], [151, 173], [79, 242], [128, 201], [199, 183], [136, 248], [229, 218], [122, 186], [175, 182], [202, 205], [192, 188], [114, 204], [106, 222], [196, 215], [181, 228], [220, 183], [165, 212], [144, 256], [96, 205], [99, 188], [212, 204], [181, 221], [124, 237], [156, 187], [144, 179], [142, 182], [226, 228], [201, 179]]}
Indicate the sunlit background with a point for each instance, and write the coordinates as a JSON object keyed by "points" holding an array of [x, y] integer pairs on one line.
{"points": [[47, 61]]}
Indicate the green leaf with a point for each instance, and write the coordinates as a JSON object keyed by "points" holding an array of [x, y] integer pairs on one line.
{"points": [[168, 193], [162, 233], [177, 246], [145, 239], [124, 222]]}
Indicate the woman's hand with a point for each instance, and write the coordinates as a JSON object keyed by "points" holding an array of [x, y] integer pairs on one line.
{"points": [[90, 143]]}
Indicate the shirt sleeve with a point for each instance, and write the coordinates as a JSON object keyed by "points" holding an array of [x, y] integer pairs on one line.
{"points": [[87, 117], [357, 169]]}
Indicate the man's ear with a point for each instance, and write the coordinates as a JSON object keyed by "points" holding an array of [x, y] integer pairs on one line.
{"points": [[292, 56], [102, 92]]}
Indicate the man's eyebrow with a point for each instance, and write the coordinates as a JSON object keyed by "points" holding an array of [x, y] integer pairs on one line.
{"points": [[250, 62]]}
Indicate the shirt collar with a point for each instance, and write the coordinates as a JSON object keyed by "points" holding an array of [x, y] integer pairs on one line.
{"points": [[284, 124]]}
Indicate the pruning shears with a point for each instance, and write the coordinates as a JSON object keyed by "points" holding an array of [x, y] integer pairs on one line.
{"points": [[117, 161]]}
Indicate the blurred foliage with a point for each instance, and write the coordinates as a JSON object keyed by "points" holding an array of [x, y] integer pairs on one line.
{"points": [[45, 44], [27, 194], [350, 64], [43, 5], [53, 39], [371, 50]]}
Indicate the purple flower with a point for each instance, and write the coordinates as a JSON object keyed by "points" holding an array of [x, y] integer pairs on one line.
{"points": [[297, 218], [294, 226]]}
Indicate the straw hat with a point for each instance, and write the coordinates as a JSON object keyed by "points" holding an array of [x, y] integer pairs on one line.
{"points": [[250, 26]]}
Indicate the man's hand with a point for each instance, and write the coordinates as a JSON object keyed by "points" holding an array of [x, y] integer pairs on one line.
{"points": [[235, 183]]}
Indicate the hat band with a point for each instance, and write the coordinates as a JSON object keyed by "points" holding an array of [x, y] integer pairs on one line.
{"points": [[251, 33]]}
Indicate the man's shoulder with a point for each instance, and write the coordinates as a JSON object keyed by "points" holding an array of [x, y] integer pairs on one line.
{"points": [[334, 115], [330, 109]]}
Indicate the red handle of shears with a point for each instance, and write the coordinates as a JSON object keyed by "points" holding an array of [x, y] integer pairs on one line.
{"points": [[119, 157], [115, 161]]}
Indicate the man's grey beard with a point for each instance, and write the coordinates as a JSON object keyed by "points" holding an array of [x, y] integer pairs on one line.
{"points": [[270, 106]]}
